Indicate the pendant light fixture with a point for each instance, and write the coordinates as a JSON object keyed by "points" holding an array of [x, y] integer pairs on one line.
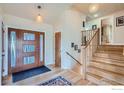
{"points": [[39, 18]]}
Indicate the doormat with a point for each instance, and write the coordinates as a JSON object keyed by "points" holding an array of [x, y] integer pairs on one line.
{"points": [[29, 73], [58, 81]]}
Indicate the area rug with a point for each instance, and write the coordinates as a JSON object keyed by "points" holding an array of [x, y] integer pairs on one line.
{"points": [[29, 73], [58, 81]]}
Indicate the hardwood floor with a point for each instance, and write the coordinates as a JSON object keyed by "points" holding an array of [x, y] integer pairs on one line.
{"points": [[106, 68], [73, 77]]}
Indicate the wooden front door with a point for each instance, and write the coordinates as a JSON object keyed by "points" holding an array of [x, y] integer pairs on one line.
{"points": [[26, 49], [58, 49]]}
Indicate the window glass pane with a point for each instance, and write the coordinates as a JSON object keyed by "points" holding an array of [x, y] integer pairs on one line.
{"points": [[29, 60], [13, 48], [41, 48], [28, 48], [29, 36]]}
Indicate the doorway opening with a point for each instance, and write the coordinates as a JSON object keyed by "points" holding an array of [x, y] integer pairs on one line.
{"points": [[106, 31]]}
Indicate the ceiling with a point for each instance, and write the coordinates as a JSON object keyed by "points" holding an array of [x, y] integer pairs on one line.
{"points": [[99, 10], [49, 12], [52, 12]]}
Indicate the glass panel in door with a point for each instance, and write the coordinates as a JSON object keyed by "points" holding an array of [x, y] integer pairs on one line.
{"points": [[29, 45], [26, 49], [41, 48], [13, 48]]}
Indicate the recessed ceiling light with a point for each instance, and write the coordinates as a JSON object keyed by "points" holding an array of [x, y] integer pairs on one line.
{"points": [[93, 8], [96, 15]]}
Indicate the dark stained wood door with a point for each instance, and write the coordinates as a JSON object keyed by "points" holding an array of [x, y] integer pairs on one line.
{"points": [[25, 49], [58, 49]]}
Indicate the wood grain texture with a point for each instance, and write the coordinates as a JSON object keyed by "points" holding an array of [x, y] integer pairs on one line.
{"points": [[58, 49], [73, 77], [19, 49], [107, 66]]}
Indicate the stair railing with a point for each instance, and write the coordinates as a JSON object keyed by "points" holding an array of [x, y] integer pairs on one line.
{"points": [[89, 46], [87, 36], [73, 58]]}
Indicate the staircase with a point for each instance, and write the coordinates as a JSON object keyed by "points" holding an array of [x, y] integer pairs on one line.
{"points": [[107, 66]]}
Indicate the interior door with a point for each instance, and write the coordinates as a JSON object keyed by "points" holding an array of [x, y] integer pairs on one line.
{"points": [[26, 49], [58, 49]]}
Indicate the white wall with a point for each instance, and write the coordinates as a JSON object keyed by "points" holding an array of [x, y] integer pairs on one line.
{"points": [[0, 46], [20, 23], [70, 26], [98, 23], [117, 32]]}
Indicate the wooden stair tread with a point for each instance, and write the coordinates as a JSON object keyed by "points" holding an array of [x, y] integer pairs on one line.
{"points": [[110, 56], [107, 60], [121, 65], [96, 76], [110, 82], [106, 71], [106, 64], [109, 63], [82, 82], [110, 52], [111, 47], [108, 67], [93, 78], [107, 74], [103, 81]]}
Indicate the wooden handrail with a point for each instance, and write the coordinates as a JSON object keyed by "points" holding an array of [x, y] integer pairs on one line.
{"points": [[86, 30], [92, 38], [73, 58]]}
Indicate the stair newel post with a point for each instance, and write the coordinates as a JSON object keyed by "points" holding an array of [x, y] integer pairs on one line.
{"points": [[85, 64], [83, 54], [89, 49]]}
